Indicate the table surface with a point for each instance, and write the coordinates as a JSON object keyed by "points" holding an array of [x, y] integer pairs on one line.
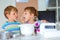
{"points": [[36, 37]]}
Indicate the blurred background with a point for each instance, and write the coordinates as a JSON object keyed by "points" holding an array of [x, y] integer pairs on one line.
{"points": [[47, 9]]}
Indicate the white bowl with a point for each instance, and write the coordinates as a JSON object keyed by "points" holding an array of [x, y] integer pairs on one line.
{"points": [[27, 29]]}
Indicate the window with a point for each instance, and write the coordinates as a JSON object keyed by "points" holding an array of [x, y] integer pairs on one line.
{"points": [[55, 6]]}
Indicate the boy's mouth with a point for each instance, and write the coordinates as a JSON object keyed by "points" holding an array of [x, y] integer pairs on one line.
{"points": [[16, 18], [24, 19]]}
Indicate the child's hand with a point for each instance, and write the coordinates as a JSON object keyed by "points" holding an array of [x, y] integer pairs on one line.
{"points": [[44, 21]]}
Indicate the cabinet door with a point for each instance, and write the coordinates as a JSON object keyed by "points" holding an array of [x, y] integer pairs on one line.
{"points": [[59, 15], [52, 3], [58, 3]]}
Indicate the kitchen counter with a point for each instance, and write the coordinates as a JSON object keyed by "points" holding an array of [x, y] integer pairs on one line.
{"points": [[36, 37]]}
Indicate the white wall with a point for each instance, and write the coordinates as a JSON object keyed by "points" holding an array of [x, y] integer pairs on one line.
{"points": [[42, 5], [3, 4]]}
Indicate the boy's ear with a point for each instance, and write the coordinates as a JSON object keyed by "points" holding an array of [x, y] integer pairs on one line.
{"points": [[7, 15], [32, 15]]}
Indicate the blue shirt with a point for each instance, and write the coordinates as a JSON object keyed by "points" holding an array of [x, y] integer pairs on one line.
{"points": [[11, 26]]}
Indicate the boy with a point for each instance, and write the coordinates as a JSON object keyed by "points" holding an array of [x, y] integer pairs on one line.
{"points": [[11, 13]]}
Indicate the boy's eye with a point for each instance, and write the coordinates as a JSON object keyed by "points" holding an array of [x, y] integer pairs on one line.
{"points": [[14, 14], [25, 13]]}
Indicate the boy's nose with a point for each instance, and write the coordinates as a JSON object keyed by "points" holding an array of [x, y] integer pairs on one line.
{"points": [[23, 18], [16, 14]]}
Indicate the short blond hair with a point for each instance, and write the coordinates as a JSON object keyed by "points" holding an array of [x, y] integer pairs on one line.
{"points": [[8, 9]]}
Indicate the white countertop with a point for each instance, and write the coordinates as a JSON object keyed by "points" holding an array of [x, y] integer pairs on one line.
{"points": [[37, 37]]}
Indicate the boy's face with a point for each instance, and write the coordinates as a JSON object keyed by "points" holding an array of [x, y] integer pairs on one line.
{"points": [[13, 15], [26, 15]]}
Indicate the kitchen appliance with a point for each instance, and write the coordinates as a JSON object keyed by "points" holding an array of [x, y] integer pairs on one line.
{"points": [[49, 30]]}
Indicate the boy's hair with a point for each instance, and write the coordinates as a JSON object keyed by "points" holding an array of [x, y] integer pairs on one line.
{"points": [[8, 9], [32, 10]]}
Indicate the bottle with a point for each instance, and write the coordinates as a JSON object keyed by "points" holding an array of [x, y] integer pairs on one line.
{"points": [[36, 26]]}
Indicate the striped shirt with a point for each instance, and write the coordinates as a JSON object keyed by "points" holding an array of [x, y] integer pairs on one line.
{"points": [[11, 26]]}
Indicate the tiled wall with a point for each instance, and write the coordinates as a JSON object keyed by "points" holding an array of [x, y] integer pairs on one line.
{"points": [[21, 5]]}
